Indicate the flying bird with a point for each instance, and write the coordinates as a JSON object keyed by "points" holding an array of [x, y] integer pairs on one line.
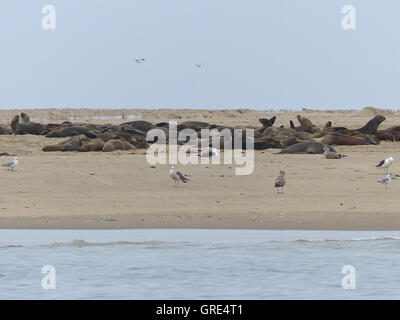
{"points": [[198, 65], [12, 164], [177, 176], [140, 60], [385, 164], [328, 154], [280, 181], [385, 180]]}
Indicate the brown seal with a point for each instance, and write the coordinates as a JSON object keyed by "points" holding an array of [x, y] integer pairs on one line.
{"points": [[372, 125], [115, 144], [25, 118], [266, 123], [92, 145], [27, 127], [289, 141], [313, 147], [70, 132], [68, 145], [339, 139], [5, 130], [305, 124]]}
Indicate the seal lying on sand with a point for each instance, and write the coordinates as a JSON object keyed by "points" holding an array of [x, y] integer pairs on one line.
{"points": [[92, 145], [342, 139], [69, 145], [313, 147], [70, 132], [195, 125], [141, 125], [265, 143], [112, 145], [5, 130]]}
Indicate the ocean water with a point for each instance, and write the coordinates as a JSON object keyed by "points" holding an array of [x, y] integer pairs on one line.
{"points": [[198, 264]]}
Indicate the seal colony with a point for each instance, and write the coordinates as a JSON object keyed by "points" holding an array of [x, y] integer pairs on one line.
{"points": [[305, 138]]}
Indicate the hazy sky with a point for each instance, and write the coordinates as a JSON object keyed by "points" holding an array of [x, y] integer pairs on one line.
{"points": [[254, 54]]}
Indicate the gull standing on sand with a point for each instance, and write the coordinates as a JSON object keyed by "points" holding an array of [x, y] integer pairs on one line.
{"points": [[12, 164], [328, 154], [177, 176], [385, 164], [385, 180], [280, 181]]}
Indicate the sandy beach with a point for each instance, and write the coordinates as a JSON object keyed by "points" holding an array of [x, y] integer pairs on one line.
{"points": [[98, 190]]}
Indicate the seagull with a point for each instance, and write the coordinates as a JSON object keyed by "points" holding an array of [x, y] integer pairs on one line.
{"points": [[198, 65], [139, 60], [177, 176], [385, 180], [385, 164], [332, 154], [280, 181], [209, 154], [12, 164]]}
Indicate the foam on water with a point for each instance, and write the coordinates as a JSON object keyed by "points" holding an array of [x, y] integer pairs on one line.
{"points": [[198, 264]]}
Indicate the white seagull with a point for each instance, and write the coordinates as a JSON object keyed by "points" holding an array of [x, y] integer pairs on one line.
{"points": [[385, 164], [177, 176], [209, 154], [280, 181], [385, 180], [11, 164], [140, 60]]}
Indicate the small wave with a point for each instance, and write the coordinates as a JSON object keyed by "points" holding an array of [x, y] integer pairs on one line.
{"points": [[221, 245], [83, 243], [12, 246], [339, 239]]}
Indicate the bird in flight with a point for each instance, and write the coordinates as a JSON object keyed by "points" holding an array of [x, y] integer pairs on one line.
{"points": [[140, 60], [198, 65], [385, 164], [12, 164], [177, 176]]}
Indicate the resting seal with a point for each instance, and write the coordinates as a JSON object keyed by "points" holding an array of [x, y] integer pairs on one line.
{"points": [[313, 147], [92, 145], [70, 132], [5, 130], [112, 145], [339, 139], [69, 145]]}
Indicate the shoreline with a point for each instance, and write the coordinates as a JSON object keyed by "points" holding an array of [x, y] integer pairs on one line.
{"points": [[131, 223]]}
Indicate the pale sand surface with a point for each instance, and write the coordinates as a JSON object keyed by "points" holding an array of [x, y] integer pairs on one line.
{"points": [[121, 190]]}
